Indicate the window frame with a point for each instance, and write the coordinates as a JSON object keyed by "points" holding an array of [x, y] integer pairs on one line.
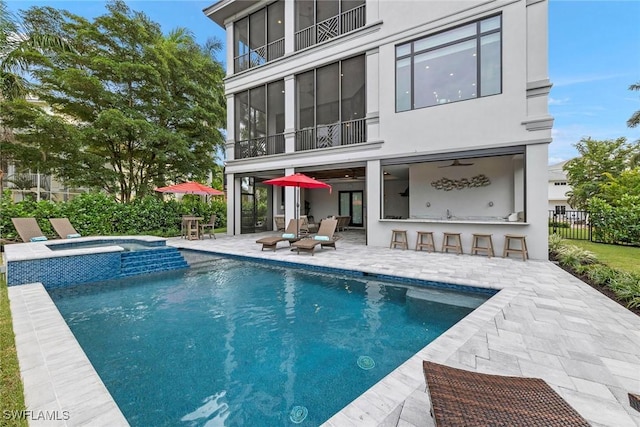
{"points": [[266, 9], [478, 39]]}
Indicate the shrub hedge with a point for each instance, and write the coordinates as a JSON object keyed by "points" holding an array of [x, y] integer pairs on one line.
{"points": [[625, 285], [100, 214], [616, 224]]}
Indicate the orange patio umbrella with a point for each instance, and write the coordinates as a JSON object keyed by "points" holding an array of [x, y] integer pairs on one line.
{"points": [[191, 187]]}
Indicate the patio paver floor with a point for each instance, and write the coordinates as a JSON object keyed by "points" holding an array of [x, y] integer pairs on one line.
{"points": [[544, 323]]}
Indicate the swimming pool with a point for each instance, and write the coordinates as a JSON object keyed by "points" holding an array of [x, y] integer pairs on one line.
{"points": [[126, 244], [243, 343]]}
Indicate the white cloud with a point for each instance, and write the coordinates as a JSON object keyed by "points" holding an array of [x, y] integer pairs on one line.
{"points": [[573, 80], [556, 101]]}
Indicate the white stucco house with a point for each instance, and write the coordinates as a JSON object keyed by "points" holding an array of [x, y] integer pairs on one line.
{"points": [[558, 188], [422, 115]]}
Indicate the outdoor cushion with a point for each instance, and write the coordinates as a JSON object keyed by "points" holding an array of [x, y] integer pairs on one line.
{"points": [[38, 239], [289, 236], [72, 236], [322, 238]]}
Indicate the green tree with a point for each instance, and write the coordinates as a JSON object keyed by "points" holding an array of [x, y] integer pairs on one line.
{"points": [[133, 108], [17, 45], [599, 162], [625, 184], [634, 120]]}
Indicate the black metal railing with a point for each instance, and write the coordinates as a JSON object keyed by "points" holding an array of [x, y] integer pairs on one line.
{"points": [[333, 135], [570, 224], [262, 146], [258, 56], [330, 28]]}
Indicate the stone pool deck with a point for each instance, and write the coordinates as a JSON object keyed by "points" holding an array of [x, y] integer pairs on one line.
{"points": [[544, 323]]}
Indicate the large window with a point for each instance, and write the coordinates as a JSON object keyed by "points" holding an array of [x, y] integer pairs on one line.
{"points": [[455, 65], [259, 120], [331, 105], [259, 37]]}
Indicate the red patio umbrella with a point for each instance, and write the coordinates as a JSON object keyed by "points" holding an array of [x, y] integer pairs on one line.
{"points": [[191, 187], [298, 180]]}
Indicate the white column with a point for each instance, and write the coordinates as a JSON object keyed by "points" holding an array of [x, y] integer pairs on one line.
{"points": [[289, 196], [230, 151], [230, 49], [373, 94], [537, 199], [373, 197], [231, 197], [290, 114], [289, 27], [373, 11]]}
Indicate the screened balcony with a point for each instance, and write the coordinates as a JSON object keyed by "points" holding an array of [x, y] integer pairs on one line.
{"points": [[321, 20], [259, 121], [331, 107], [259, 37]]}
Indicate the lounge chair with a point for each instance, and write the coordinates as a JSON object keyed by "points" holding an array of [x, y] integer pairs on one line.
{"points": [[63, 228], [278, 221], [323, 238], [465, 398], [290, 235], [211, 225], [307, 226], [343, 222], [28, 229]]}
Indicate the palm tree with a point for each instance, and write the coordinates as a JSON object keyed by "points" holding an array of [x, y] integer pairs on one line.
{"points": [[635, 117], [15, 44]]}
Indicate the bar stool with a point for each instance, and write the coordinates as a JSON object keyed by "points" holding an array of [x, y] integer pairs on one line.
{"points": [[475, 244], [399, 237], [456, 245], [509, 250], [428, 244]]}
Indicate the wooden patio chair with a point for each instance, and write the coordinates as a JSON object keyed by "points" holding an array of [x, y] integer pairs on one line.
{"points": [[63, 228], [290, 235], [465, 398], [28, 229], [211, 225], [323, 238]]}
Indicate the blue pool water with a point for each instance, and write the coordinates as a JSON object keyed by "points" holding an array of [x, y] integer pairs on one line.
{"points": [[126, 244], [250, 344]]}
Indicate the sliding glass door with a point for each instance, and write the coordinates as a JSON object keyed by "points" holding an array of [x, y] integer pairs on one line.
{"points": [[350, 204]]}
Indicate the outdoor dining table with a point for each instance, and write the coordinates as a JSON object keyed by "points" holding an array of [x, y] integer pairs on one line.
{"points": [[191, 227]]}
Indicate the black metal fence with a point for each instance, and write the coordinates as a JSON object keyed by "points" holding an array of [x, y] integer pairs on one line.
{"points": [[570, 224]]}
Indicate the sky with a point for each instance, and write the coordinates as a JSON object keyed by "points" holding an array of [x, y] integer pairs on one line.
{"points": [[594, 56]]}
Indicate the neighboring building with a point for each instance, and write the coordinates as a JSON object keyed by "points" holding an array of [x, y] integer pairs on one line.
{"points": [[558, 188], [27, 183], [422, 115]]}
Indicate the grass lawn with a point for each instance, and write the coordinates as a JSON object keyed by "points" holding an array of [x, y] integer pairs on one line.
{"points": [[11, 395], [619, 257]]}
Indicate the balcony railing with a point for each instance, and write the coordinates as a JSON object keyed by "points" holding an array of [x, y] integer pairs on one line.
{"points": [[334, 135], [259, 56], [26, 181], [332, 27], [262, 146]]}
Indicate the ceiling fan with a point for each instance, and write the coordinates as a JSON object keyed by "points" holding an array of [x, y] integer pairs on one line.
{"points": [[456, 162]]}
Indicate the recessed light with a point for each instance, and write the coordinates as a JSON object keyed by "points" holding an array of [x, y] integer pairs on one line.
{"points": [[451, 74], [280, 22], [427, 67], [473, 84], [474, 54]]}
